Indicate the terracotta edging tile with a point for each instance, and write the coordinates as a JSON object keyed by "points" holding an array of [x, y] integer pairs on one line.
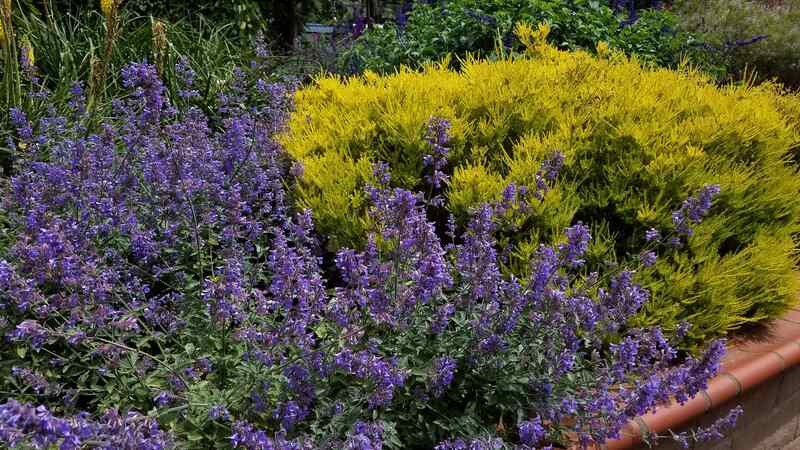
{"points": [[747, 365]]}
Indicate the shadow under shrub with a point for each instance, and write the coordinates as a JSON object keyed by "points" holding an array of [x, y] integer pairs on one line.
{"points": [[636, 141]]}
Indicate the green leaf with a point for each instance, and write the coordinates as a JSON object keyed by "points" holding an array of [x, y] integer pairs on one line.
{"points": [[194, 437]]}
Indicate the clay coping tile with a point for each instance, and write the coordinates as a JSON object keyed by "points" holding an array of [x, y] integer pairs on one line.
{"points": [[747, 364], [790, 320], [791, 316]]}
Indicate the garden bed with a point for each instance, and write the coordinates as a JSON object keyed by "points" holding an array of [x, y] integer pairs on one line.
{"points": [[519, 253]]}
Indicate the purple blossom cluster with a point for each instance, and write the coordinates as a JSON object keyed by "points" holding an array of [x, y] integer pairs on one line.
{"points": [[712, 432], [246, 436], [365, 436], [471, 444], [691, 212], [531, 431], [437, 137], [24, 423], [120, 230], [694, 209], [548, 172], [548, 311], [34, 380], [444, 371], [159, 255]]}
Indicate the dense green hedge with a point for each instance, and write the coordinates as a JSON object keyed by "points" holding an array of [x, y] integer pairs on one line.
{"points": [[637, 142], [434, 29]]}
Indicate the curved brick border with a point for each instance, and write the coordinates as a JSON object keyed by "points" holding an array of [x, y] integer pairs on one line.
{"points": [[746, 365]]}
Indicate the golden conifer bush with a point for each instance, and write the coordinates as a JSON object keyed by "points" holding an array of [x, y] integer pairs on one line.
{"points": [[637, 141]]}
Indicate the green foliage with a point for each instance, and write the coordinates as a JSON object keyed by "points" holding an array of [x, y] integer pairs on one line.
{"points": [[67, 45], [637, 141], [243, 15], [724, 23], [479, 27], [430, 34]]}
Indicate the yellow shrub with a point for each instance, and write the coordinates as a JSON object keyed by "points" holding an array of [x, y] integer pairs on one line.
{"points": [[636, 140]]}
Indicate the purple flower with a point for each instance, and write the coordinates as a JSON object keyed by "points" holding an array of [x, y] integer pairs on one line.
{"points": [[187, 77], [297, 170], [401, 221], [578, 238], [380, 170], [384, 375], [164, 398], [437, 137], [225, 295], [694, 209], [552, 166], [244, 435], [289, 413], [26, 424], [712, 432], [359, 26], [648, 258], [548, 172], [492, 344], [32, 332], [437, 133], [442, 318], [219, 412], [622, 300], [443, 373], [674, 242], [652, 235], [364, 436], [471, 444], [204, 365], [20, 121], [34, 380], [531, 431]]}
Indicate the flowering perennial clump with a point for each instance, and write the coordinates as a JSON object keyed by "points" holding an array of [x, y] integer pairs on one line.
{"points": [[24, 423], [161, 291]]}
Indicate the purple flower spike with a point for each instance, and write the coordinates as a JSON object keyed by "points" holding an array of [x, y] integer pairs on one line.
{"points": [[694, 209]]}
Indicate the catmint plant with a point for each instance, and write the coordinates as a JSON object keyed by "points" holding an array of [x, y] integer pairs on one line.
{"points": [[161, 291]]}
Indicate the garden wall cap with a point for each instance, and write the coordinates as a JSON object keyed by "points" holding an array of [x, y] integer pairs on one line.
{"points": [[748, 363]]}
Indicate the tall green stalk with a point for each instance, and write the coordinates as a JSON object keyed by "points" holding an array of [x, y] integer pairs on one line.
{"points": [[11, 76], [110, 10]]}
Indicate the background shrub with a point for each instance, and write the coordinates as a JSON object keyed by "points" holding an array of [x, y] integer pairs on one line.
{"points": [[432, 30], [636, 142], [244, 16], [759, 35]]}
